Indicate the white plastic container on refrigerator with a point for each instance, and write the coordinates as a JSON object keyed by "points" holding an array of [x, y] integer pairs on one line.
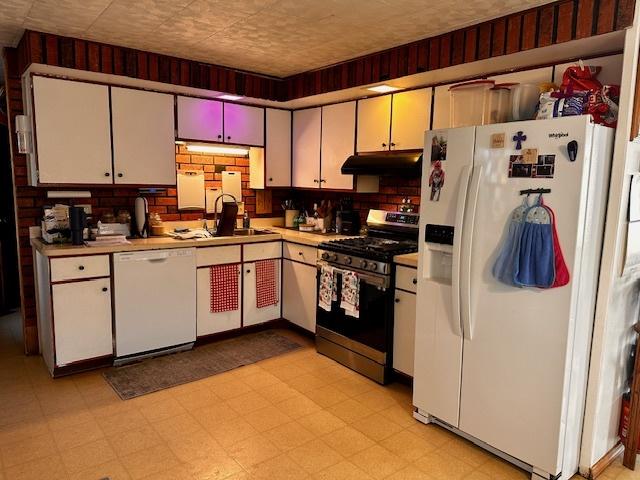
{"points": [[504, 366], [155, 300]]}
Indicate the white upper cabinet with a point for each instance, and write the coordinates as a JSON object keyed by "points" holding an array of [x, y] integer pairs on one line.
{"points": [[243, 125], [278, 148], [535, 75], [441, 107], [306, 147], [72, 131], [410, 117], [374, 115], [214, 121], [338, 141], [199, 119], [143, 137]]}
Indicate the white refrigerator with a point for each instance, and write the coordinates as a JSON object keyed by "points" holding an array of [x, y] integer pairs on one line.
{"points": [[504, 366]]}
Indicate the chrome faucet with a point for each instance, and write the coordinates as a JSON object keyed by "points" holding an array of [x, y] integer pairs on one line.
{"points": [[215, 209]]}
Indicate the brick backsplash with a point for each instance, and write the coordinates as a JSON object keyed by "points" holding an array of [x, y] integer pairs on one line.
{"points": [[392, 191]]}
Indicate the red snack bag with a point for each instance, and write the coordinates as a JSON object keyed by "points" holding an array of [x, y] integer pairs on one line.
{"points": [[576, 79], [602, 105]]}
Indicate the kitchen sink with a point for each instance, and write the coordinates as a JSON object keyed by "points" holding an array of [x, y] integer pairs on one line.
{"points": [[245, 232]]}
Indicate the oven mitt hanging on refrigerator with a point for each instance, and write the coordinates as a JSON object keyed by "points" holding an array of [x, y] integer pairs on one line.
{"points": [[536, 260], [562, 272], [505, 267]]}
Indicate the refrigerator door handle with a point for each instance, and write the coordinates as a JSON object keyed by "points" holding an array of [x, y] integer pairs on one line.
{"points": [[465, 174], [466, 247]]}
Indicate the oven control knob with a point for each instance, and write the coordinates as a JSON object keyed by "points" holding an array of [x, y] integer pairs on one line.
{"points": [[325, 256], [363, 263], [334, 257], [373, 267], [348, 260]]}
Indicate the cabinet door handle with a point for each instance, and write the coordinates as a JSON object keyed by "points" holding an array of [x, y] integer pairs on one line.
{"points": [[81, 267], [384, 145], [219, 137], [228, 138], [397, 300], [393, 144], [271, 179], [120, 175], [300, 253], [107, 174], [315, 180], [415, 281], [248, 271], [322, 180], [104, 289]]}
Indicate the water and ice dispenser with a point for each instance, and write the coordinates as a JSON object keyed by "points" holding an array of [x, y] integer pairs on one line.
{"points": [[438, 253]]}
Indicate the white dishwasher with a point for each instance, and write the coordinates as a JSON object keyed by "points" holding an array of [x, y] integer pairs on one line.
{"points": [[155, 300]]}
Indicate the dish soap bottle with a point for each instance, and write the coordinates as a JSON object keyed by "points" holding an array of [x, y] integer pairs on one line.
{"points": [[246, 221]]}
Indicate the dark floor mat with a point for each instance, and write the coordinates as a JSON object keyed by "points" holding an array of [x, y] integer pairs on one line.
{"points": [[151, 375]]}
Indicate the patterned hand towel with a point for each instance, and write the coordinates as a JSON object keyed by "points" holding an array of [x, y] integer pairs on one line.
{"points": [[350, 297], [328, 287]]}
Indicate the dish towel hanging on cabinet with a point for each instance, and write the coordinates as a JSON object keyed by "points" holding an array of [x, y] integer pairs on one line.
{"points": [[328, 287], [223, 288], [350, 294], [266, 283]]}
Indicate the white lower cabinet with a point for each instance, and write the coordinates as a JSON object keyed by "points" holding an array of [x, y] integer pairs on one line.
{"points": [[207, 321], [299, 298], [404, 331], [82, 320], [252, 315]]}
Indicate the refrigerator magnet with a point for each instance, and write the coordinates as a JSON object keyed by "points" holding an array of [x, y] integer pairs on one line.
{"points": [[439, 148], [497, 140], [519, 137], [542, 167], [436, 180], [518, 168], [572, 150], [530, 155], [545, 166]]}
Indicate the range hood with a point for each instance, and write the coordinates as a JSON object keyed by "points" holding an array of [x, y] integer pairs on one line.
{"points": [[408, 164]]}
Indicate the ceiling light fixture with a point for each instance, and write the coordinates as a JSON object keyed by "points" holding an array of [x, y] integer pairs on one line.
{"points": [[228, 96], [384, 88], [216, 149]]}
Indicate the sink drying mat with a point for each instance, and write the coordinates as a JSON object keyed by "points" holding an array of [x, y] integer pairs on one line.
{"points": [[153, 374]]}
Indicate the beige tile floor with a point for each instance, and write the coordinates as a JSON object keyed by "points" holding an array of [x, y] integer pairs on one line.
{"points": [[297, 416]]}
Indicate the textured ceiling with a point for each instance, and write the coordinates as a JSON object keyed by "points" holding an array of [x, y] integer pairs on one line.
{"points": [[275, 37]]}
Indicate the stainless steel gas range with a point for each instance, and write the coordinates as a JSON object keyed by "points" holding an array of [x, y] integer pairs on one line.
{"points": [[362, 268]]}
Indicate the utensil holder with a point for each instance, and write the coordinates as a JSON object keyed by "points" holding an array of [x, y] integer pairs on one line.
{"points": [[289, 216]]}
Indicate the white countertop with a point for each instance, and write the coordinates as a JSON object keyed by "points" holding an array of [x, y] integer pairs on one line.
{"points": [[155, 243]]}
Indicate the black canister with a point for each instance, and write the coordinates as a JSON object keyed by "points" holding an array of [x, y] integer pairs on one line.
{"points": [[77, 224]]}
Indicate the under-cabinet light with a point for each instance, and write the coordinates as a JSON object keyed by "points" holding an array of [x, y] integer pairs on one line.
{"points": [[228, 96], [384, 88], [218, 149]]}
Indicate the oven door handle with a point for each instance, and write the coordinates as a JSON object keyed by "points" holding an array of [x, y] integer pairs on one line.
{"points": [[379, 281]]}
